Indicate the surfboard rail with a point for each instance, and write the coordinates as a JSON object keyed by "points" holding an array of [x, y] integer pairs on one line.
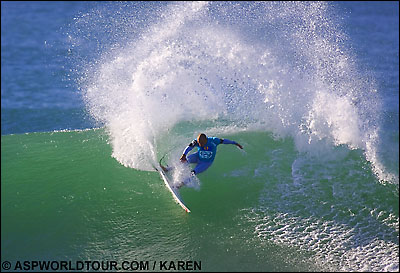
{"points": [[173, 190]]}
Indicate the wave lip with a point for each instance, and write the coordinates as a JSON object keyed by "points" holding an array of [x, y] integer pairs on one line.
{"points": [[286, 68]]}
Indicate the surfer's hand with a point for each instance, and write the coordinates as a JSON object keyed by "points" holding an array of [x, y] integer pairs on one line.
{"points": [[164, 168], [183, 158], [240, 146]]}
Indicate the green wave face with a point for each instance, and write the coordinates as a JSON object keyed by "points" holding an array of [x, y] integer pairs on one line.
{"points": [[63, 196]]}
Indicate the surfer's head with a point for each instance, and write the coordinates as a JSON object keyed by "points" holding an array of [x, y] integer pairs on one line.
{"points": [[202, 140]]}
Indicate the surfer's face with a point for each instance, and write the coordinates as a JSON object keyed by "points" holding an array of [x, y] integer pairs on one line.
{"points": [[202, 140]]}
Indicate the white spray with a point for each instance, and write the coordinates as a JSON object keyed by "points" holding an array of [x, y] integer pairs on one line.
{"points": [[281, 67]]}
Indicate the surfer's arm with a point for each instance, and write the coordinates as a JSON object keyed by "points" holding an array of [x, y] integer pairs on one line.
{"points": [[227, 141], [188, 149]]}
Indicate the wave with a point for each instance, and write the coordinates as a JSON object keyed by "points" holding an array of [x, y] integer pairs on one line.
{"points": [[285, 68], [332, 215]]}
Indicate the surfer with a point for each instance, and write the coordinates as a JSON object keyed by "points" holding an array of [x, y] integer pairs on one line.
{"points": [[206, 150]]}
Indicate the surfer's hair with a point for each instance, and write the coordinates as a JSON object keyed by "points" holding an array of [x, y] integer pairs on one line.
{"points": [[202, 138]]}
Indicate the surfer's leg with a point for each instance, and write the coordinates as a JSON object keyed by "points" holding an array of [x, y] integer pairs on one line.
{"points": [[193, 158], [201, 167]]}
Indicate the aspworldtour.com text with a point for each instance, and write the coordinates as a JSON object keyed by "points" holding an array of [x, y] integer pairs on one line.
{"points": [[101, 265]]}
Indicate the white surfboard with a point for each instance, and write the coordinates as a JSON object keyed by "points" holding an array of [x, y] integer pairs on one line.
{"points": [[173, 190]]}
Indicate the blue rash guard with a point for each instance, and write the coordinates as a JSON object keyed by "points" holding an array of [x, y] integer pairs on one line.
{"points": [[204, 156]]}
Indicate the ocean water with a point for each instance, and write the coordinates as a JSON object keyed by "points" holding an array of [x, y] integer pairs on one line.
{"points": [[94, 94]]}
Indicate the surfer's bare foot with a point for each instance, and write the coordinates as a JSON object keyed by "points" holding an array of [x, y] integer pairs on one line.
{"points": [[164, 168]]}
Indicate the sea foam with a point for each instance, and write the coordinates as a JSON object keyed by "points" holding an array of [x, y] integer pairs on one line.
{"points": [[286, 68]]}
